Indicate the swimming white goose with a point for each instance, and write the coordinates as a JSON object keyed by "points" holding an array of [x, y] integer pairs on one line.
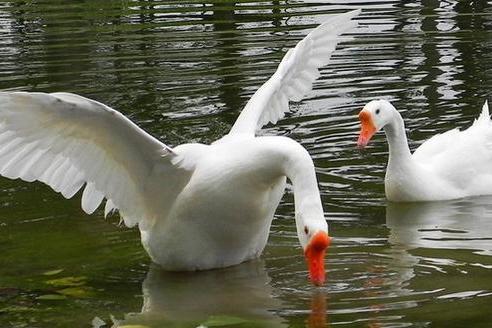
{"points": [[197, 206], [451, 165]]}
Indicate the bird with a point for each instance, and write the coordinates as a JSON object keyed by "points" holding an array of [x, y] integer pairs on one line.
{"points": [[451, 165], [197, 206]]}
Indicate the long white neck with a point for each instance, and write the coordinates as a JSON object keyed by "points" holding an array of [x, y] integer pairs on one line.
{"points": [[306, 193], [299, 168], [399, 153], [281, 156]]}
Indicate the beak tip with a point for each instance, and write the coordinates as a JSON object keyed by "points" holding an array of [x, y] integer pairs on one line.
{"points": [[361, 144], [318, 282], [315, 254]]}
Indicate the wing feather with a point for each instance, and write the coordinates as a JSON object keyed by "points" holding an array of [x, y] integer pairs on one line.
{"points": [[70, 142], [109, 207], [455, 143], [294, 76]]}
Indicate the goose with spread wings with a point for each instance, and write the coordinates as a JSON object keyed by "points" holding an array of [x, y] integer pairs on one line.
{"points": [[197, 206]]}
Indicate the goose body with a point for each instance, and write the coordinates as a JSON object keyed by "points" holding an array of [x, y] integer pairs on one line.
{"points": [[450, 165], [197, 206], [243, 179]]}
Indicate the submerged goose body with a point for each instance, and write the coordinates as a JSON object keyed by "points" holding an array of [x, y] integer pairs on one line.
{"points": [[450, 165], [197, 206]]}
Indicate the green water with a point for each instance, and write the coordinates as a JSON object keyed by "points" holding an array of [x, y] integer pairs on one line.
{"points": [[183, 70]]}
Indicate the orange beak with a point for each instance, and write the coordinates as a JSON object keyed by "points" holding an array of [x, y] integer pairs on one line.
{"points": [[367, 129], [315, 257]]}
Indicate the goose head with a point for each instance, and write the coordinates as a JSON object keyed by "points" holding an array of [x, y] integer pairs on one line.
{"points": [[314, 239], [373, 117]]}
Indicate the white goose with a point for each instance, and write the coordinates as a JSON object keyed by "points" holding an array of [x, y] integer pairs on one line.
{"points": [[197, 206], [451, 165]]}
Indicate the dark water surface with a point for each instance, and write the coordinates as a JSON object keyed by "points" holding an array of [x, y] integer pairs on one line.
{"points": [[183, 70]]}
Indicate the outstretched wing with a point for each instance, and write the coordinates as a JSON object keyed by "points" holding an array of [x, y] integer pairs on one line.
{"points": [[68, 141], [294, 76]]}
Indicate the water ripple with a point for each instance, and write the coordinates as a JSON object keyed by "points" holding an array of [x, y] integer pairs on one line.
{"points": [[183, 70]]}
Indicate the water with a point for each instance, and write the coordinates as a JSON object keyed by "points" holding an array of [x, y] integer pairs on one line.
{"points": [[183, 70]]}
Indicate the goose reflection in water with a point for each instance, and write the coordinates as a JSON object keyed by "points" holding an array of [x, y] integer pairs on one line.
{"points": [[239, 295], [440, 228], [459, 224], [445, 237]]}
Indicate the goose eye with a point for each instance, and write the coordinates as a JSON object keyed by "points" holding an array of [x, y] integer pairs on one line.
{"points": [[377, 111], [306, 230]]}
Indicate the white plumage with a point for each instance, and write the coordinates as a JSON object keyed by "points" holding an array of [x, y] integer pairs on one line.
{"points": [[450, 165], [197, 206], [294, 76], [66, 141]]}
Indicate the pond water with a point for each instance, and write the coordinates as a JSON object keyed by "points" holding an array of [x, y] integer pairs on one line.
{"points": [[183, 70]]}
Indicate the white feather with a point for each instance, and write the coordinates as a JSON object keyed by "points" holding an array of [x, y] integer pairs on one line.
{"points": [[66, 141], [13, 167], [108, 208], [294, 76], [91, 198]]}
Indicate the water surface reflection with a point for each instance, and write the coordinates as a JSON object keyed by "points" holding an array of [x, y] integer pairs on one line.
{"points": [[458, 224], [440, 250], [241, 294], [183, 70]]}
